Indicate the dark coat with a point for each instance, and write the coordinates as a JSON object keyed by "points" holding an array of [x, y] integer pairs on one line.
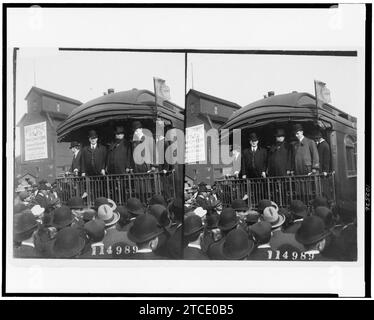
{"points": [[25, 251], [77, 163], [253, 163], [280, 159], [145, 256], [324, 156], [119, 157], [146, 165], [262, 253], [93, 161], [174, 244], [305, 156], [193, 254], [293, 227]]}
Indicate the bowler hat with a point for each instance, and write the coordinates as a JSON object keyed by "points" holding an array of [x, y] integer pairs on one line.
{"points": [[239, 205], [272, 216], [298, 208], [119, 129], [236, 245], [88, 214], [75, 203], [62, 217], [24, 222], [23, 195], [92, 134], [212, 221], [145, 228], [262, 204], [74, 144], [157, 199], [280, 133], [102, 200], [298, 127], [135, 206], [320, 201], [252, 217], [317, 134], [136, 125], [192, 225], [311, 231], [69, 242], [95, 230], [261, 231], [160, 213], [228, 219], [253, 137], [326, 215], [108, 215], [123, 213]]}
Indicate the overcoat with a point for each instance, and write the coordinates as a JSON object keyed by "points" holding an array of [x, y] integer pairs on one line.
{"points": [[93, 160]]}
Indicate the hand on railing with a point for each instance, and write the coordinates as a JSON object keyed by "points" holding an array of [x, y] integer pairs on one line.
{"points": [[263, 174], [102, 172], [83, 174]]}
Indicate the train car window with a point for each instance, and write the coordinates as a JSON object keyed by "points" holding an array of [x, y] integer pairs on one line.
{"points": [[350, 155]]}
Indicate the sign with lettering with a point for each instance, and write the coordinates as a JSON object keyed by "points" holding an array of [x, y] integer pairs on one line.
{"points": [[195, 144], [36, 141]]}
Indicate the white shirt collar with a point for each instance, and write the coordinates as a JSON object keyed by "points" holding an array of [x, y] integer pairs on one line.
{"points": [[193, 245], [312, 252], [28, 243], [263, 246], [76, 153], [297, 220], [145, 250]]}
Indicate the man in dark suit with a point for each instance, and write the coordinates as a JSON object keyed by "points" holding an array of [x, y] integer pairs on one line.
{"points": [[119, 153], [254, 159], [280, 156], [93, 157], [305, 154], [193, 232], [76, 167], [323, 153]]}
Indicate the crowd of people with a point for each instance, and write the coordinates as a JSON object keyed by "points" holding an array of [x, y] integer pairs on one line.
{"points": [[45, 228], [309, 232]]}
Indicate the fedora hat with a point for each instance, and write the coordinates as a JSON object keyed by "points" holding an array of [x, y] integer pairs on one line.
{"points": [[317, 134], [145, 228], [69, 242], [95, 230], [280, 133], [212, 221], [271, 215], [239, 205], [136, 125], [102, 200], [160, 213], [92, 134], [227, 219], [252, 217], [326, 215], [24, 222], [320, 201], [62, 217], [236, 245], [253, 137], [157, 199], [134, 206], [123, 213], [107, 215], [262, 204], [119, 130], [74, 144], [75, 203], [261, 231], [298, 127], [298, 208], [311, 231], [192, 225]]}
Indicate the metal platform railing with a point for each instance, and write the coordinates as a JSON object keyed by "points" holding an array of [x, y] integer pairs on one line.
{"points": [[281, 190], [118, 187]]}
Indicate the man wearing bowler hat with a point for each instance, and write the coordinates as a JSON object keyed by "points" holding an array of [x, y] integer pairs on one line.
{"points": [[323, 152], [76, 167], [193, 232], [306, 159], [279, 163], [119, 153], [141, 159], [93, 156], [254, 159]]}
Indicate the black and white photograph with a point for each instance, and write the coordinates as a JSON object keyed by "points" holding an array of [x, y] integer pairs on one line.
{"points": [[80, 118]]}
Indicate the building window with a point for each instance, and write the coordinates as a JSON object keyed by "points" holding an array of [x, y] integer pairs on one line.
{"points": [[350, 155]]}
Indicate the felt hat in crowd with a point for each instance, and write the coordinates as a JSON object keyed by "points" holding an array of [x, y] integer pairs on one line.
{"points": [[92, 134], [253, 137], [192, 225], [239, 205], [134, 206], [261, 231], [280, 133], [119, 130], [311, 231], [236, 245], [317, 134], [326, 215], [298, 127], [102, 200], [145, 228], [320, 201], [272, 216], [24, 222], [75, 203], [23, 195], [157, 199], [262, 204], [176, 208], [123, 213], [298, 208], [107, 215], [69, 242], [136, 125], [161, 214], [227, 219], [74, 144], [62, 217], [212, 221], [95, 230]]}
